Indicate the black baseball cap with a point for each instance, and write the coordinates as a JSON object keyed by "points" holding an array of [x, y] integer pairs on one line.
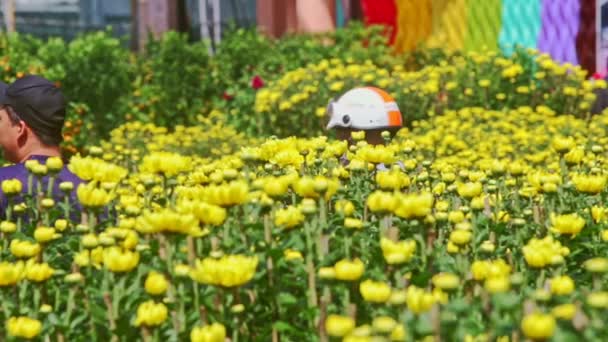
{"points": [[38, 102]]}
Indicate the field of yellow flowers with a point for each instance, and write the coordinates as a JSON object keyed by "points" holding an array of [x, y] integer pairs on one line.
{"points": [[473, 225]]}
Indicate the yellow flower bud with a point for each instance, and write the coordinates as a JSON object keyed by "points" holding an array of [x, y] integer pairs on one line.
{"points": [[418, 300], [598, 299], [358, 135], [398, 297], [563, 144], [227, 271], [398, 333], [597, 265], [92, 196], [345, 207], [117, 260], [452, 248], [45, 234], [460, 237], [46, 308], [598, 214], [339, 326], [66, 186], [181, 270], [8, 227], [538, 326], [455, 216], [82, 228], [89, 241], [54, 164], [480, 269], [570, 224], [349, 270], [23, 327], [215, 332], [309, 206], [497, 284], [106, 239], [73, 278], [375, 292], [156, 283], [562, 285], [11, 187], [151, 314], [61, 224], [384, 324], [469, 190], [39, 170], [564, 311], [37, 272], [353, 223], [446, 281], [488, 246], [47, 203], [24, 249], [289, 217], [29, 164], [291, 254], [327, 273]]}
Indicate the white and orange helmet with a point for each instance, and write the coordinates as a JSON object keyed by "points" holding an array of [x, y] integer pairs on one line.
{"points": [[364, 108]]}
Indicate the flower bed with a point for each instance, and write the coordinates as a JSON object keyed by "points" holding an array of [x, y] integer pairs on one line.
{"points": [[493, 227]]}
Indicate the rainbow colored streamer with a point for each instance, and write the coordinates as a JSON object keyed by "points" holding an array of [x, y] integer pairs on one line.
{"points": [[558, 31], [551, 26], [521, 23], [450, 31], [415, 16], [483, 25]]}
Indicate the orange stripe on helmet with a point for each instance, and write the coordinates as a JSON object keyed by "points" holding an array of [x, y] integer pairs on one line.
{"points": [[394, 116], [383, 94]]}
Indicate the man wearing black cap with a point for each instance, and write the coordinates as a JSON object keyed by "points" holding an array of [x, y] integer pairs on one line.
{"points": [[32, 113]]}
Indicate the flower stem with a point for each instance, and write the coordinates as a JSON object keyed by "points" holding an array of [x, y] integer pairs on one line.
{"points": [[70, 306], [30, 180], [235, 331], [347, 244], [310, 268], [145, 333], [270, 266], [49, 188]]}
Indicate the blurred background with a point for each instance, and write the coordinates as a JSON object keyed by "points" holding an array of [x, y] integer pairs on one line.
{"points": [[168, 62], [131, 19], [570, 30]]}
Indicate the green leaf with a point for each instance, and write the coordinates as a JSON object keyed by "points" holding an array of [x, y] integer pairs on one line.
{"points": [[77, 321], [99, 313], [423, 325], [283, 326], [458, 305], [53, 319], [286, 299], [506, 301]]}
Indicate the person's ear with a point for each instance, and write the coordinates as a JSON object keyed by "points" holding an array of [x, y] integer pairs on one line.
{"points": [[22, 131], [22, 127]]}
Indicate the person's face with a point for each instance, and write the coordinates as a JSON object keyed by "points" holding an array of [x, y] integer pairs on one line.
{"points": [[11, 136]]}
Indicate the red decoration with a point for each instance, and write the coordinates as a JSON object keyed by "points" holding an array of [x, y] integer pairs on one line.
{"points": [[257, 82], [381, 12], [227, 96]]}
